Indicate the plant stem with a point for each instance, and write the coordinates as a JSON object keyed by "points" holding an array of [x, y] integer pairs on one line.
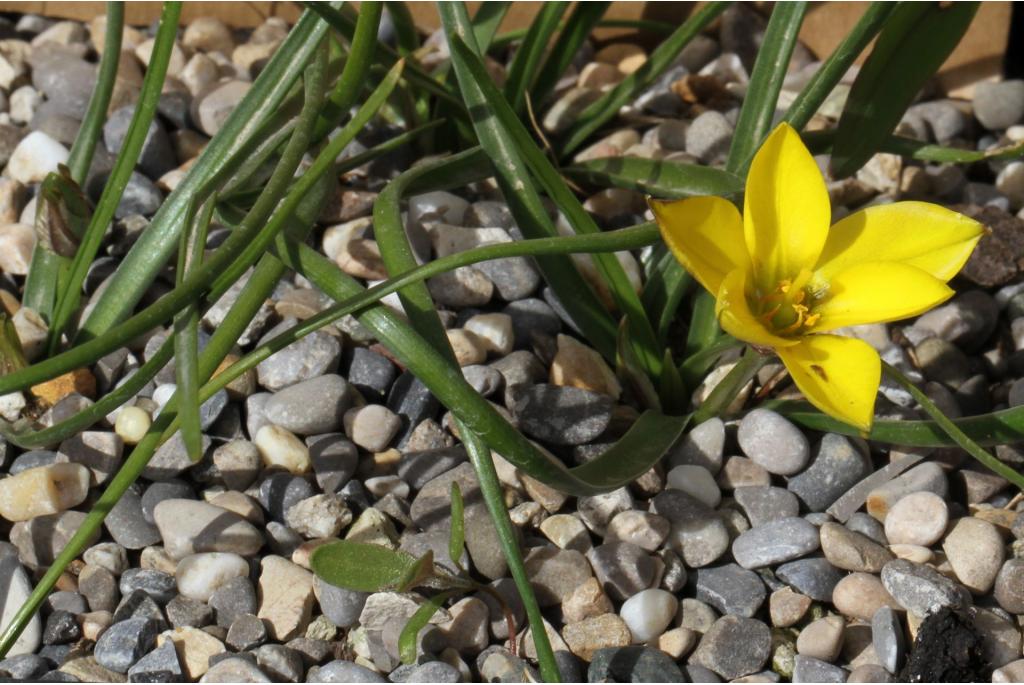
{"points": [[729, 387], [952, 430]]}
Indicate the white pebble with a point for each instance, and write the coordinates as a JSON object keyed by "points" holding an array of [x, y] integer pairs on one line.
{"points": [[696, 481], [372, 427], [495, 330], [280, 447], [919, 518], [199, 575], [43, 490], [35, 156], [648, 613], [132, 424]]}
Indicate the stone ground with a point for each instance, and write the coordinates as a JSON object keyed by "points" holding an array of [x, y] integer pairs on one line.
{"points": [[757, 552]]}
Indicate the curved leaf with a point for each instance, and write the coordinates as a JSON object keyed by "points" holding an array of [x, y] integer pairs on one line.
{"points": [[658, 177], [364, 567]]}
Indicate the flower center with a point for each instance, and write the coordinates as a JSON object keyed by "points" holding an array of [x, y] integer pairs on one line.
{"points": [[788, 308]]}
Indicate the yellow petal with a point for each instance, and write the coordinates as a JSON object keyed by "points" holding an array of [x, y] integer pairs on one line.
{"points": [[921, 234], [786, 210], [735, 316], [875, 292], [705, 234], [837, 375]]}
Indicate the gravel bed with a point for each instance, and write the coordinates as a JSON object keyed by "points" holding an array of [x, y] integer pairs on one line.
{"points": [[757, 551]]}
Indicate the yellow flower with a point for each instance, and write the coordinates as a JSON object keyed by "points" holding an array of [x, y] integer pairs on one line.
{"points": [[784, 279]]}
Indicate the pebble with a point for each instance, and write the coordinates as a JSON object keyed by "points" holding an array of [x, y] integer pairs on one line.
{"points": [[1009, 586], [310, 407], [822, 639], [731, 589], [555, 573], [579, 366], [280, 447], [633, 664], [734, 647], [837, 466], [132, 424], [852, 551], [697, 532], [17, 242], [860, 595], [41, 539], [709, 136], [371, 374], [234, 670], [319, 516], [764, 504], [919, 518], [286, 597], [925, 477], [586, 637], [702, 446], [157, 584], [975, 550], [776, 542], [696, 481], [212, 109], [233, 598], [35, 156], [189, 527], [246, 632], [43, 490], [563, 415], [585, 601], [920, 589], [372, 426], [622, 569], [199, 575], [339, 671], [313, 356], [648, 613], [1012, 672], [645, 530], [124, 643], [787, 607], [773, 442], [887, 639], [999, 105], [333, 458], [99, 451], [14, 592], [810, 670]]}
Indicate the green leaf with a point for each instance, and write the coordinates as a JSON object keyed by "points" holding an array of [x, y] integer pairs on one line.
{"points": [[406, 34], [758, 108], [671, 388], [666, 285], [12, 357], [660, 178], [510, 132], [704, 329], [629, 371], [364, 567], [696, 366], [524, 68], [487, 19], [916, 40], [416, 623], [457, 538], [607, 106]]}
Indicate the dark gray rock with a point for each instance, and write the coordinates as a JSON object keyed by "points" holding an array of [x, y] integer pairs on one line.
{"points": [[159, 585], [775, 542], [887, 639], [734, 647], [807, 669], [124, 643], [187, 612], [232, 599], [311, 407], [563, 415], [24, 667], [281, 663], [280, 491], [764, 504], [371, 374], [158, 492], [731, 589], [157, 155], [246, 632], [814, 577], [334, 459], [340, 605], [634, 664], [837, 466], [413, 402], [61, 628], [138, 604], [419, 468], [159, 666], [622, 568], [140, 197], [127, 523], [312, 356], [921, 589]]}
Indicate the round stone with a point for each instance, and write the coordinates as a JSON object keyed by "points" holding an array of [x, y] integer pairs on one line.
{"points": [[852, 551], [132, 424], [279, 447], [199, 575], [975, 550], [696, 481], [648, 613], [775, 542], [822, 639], [734, 647], [773, 442], [1009, 586], [860, 595], [919, 518]]}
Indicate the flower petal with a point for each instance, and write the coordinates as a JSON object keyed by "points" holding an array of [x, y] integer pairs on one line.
{"points": [[735, 316], [875, 292], [838, 375], [921, 234], [786, 210], [705, 234]]}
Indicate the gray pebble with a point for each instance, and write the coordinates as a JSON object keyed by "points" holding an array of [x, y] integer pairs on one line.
{"points": [[419, 468], [887, 638], [159, 585], [23, 667], [371, 374], [623, 569], [634, 664], [312, 356], [731, 589], [340, 605], [61, 628], [775, 542], [413, 401], [837, 466], [709, 136], [30, 460], [124, 643], [433, 672], [246, 632], [814, 577], [172, 459], [999, 105], [158, 492], [807, 669], [563, 415], [140, 197], [138, 604], [127, 522], [281, 663], [921, 589], [734, 647], [157, 156], [339, 671], [763, 504], [99, 587], [334, 458], [159, 666], [232, 599], [187, 612], [697, 532], [281, 491], [532, 317], [773, 442], [702, 446], [312, 406]]}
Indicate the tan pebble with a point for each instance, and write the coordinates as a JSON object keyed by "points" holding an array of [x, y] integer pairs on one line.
{"points": [[86, 670], [859, 595], [93, 623], [241, 387], [194, 648], [156, 558], [361, 258], [467, 346], [132, 424], [586, 601], [1012, 672], [589, 635], [976, 552], [740, 472], [580, 366], [303, 552], [286, 597], [822, 639], [677, 642], [53, 391], [914, 553], [787, 607], [567, 532], [43, 490], [240, 503], [919, 518], [279, 447]]}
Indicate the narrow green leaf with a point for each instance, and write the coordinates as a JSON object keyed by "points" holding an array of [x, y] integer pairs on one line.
{"points": [[671, 389], [631, 373], [821, 141], [658, 177], [416, 623], [362, 566], [487, 19], [12, 357], [523, 70], [407, 36], [728, 388], [916, 40], [417, 574], [704, 329], [457, 538], [696, 366], [353, 76], [511, 133], [573, 34], [603, 110], [765, 83], [838, 63]]}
